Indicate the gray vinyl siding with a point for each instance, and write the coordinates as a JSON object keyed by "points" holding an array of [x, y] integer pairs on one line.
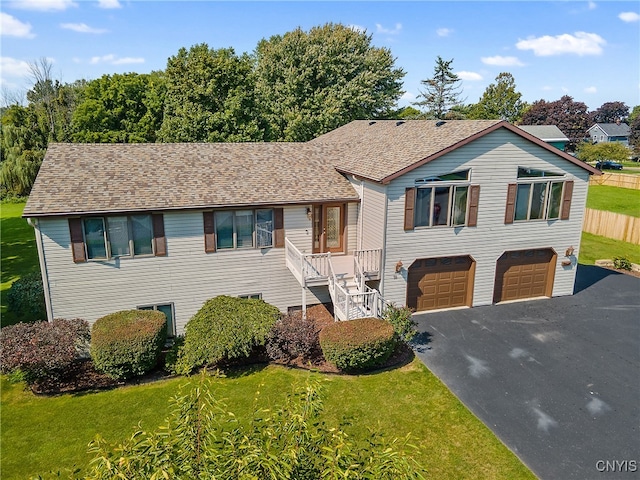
{"points": [[352, 227], [186, 277], [494, 160], [374, 201]]}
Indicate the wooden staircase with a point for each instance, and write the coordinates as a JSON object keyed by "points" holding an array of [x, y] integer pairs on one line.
{"points": [[350, 295]]}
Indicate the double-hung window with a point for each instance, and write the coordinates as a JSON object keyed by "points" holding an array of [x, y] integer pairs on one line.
{"points": [[539, 195], [447, 200], [118, 236], [244, 228]]}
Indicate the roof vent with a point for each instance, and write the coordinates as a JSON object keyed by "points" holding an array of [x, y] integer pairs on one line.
{"points": [[440, 123], [372, 123], [399, 123]]}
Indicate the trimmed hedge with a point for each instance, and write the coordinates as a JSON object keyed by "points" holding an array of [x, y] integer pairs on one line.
{"points": [[128, 343], [225, 328], [357, 345], [43, 350]]}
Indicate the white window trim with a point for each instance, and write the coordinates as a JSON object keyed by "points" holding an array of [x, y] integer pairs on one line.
{"points": [[107, 242], [254, 240], [255, 296], [437, 184], [548, 181]]}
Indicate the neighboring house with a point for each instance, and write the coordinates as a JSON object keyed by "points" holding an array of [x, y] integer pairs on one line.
{"points": [[550, 134], [423, 213], [610, 132]]}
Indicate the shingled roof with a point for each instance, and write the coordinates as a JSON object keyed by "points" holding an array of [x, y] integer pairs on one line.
{"points": [[613, 129], [110, 178], [548, 133], [101, 178], [382, 150]]}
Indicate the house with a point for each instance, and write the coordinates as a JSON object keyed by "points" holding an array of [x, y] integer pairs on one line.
{"points": [[428, 214], [610, 132], [550, 134]]}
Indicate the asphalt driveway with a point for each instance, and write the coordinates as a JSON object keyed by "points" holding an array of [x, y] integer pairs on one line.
{"points": [[557, 380]]}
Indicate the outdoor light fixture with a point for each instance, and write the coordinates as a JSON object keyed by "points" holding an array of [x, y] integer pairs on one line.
{"points": [[308, 213], [569, 251], [399, 266]]}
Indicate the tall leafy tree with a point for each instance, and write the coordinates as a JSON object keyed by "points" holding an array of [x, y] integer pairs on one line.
{"points": [[22, 146], [210, 97], [120, 108], [52, 101], [634, 135], [500, 101], [610, 112], [442, 91], [589, 152], [312, 82], [569, 116]]}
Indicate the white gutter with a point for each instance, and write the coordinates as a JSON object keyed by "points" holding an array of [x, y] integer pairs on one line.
{"points": [[43, 268]]}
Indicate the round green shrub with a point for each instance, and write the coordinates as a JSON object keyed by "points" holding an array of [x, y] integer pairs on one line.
{"points": [[225, 328], [128, 343], [357, 345], [26, 298]]}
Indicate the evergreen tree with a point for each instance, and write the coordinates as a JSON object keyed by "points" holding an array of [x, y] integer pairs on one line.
{"points": [[442, 91]]}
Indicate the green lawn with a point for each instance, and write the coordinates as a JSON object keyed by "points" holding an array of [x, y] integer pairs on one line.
{"points": [[595, 247], [18, 252], [42, 434], [614, 199]]}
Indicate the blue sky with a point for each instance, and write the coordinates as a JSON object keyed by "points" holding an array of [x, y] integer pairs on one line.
{"points": [[589, 50]]}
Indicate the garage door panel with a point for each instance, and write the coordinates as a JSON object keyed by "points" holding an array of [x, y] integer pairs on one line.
{"points": [[439, 283], [524, 274]]}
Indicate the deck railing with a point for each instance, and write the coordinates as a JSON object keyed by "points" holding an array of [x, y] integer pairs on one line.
{"points": [[306, 266], [370, 260], [349, 306]]}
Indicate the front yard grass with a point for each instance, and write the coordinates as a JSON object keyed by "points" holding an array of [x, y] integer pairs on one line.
{"points": [[19, 255], [614, 199], [42, 434]]}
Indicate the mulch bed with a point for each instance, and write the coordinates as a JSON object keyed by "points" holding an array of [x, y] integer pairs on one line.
{"points": [[84, 377]]}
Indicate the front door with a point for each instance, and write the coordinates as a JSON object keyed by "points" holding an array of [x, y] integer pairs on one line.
{"points": [[328, 228]]}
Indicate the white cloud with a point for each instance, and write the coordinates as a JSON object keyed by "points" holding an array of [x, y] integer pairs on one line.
{"points": [[12, 67], [389, 31], [580, 43], [502, 61], [43, 5], [444, 32], [592, 5], [591, 90], [127, 60], [357, 28], [629, 17], [408, 96], [82, 28], [112, 59], [109, 4], [12, 27], [471, 76]]}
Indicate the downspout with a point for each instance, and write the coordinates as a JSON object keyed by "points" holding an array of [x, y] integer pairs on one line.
{"points": [[383, 261], [361, 215], [43, 268]]}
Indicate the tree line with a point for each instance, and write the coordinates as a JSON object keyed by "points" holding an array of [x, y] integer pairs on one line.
{"points": [[293, 87]]}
